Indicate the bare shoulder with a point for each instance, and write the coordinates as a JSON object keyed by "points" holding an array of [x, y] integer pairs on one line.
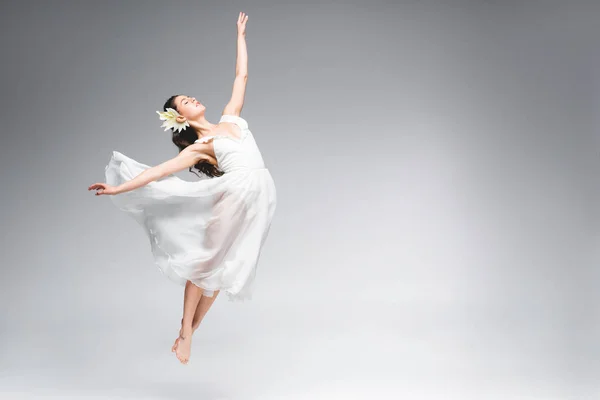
{"points": [[234, 124]]}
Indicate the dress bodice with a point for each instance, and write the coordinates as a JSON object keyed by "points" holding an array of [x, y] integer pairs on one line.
{"points": [[236, 154]]}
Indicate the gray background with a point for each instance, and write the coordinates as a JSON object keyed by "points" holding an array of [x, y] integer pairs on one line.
{"points": [[437, 232]]}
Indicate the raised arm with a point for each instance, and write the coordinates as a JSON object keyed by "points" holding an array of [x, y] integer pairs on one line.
{"points": [[234, 107]]}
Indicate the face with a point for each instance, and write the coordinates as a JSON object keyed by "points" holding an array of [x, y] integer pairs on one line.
{"points": [[189, 107]]}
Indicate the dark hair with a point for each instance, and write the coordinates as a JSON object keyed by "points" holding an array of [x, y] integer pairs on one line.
{"points": [[186, 138]]}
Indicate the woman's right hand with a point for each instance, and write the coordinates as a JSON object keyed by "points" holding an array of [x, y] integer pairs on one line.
{"points": [[241, 24]]}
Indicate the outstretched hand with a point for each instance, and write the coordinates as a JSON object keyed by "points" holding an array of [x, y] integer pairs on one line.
{"points": [[103, 188], [241, 23]]}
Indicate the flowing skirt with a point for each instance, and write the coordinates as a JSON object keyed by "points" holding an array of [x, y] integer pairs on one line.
{"points": [[209, 232]]}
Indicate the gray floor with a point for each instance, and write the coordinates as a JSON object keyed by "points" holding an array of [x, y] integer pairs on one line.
{"points": [[424, 340]]}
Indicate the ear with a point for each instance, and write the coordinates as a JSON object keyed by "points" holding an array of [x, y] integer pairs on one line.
{"points": [[180, 119]]}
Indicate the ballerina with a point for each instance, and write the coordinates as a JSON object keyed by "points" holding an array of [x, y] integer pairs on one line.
{"points": [[206, 235]]}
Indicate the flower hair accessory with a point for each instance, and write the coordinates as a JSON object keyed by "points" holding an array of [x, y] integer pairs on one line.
{"points": [[170, 118]]}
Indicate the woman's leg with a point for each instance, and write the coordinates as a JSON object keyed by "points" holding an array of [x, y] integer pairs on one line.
{"points": [[191, 298], [203, 306], [218, 239]]}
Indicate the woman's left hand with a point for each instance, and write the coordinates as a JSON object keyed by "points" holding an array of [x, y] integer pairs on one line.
{"points": [[241, 23], [103, 188]]}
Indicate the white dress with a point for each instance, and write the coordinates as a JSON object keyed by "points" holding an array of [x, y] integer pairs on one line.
{"points": [[209, 231]]}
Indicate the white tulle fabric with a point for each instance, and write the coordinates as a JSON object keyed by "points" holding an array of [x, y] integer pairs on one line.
{"points": [[210, 231]]}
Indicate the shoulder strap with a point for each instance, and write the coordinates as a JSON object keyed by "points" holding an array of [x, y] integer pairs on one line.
{"points": [[239, 121]]}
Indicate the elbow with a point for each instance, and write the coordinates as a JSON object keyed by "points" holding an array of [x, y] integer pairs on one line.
{"points": [[241, 75]]}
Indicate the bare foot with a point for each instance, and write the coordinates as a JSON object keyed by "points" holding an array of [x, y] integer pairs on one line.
{"points": [[175, 345], [183, 347], [178, 337]]}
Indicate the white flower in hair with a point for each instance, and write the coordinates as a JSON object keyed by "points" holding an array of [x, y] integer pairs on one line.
{"points": [[170, 118]]}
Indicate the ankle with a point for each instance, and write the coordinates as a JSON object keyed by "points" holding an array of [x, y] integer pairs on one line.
{"points": [[186, 331]]}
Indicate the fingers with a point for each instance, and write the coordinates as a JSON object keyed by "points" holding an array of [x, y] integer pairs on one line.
{"points": [[242, 18], [99, 187]]}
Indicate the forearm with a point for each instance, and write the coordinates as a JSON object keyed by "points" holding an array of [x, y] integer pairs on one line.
{"points": [[241, 65], [140, 180]]}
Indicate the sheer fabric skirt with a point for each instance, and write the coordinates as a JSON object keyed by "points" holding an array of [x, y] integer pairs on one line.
{"points": [[209, 232]]}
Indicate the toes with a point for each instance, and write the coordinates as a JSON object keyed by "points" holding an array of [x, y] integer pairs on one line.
{"points": [[183, 359]]}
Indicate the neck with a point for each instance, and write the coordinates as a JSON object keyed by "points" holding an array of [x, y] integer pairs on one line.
{"points": [[202, 127]]}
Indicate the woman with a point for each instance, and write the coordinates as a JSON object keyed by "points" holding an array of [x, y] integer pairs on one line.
{"points": [[207, 234]]}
